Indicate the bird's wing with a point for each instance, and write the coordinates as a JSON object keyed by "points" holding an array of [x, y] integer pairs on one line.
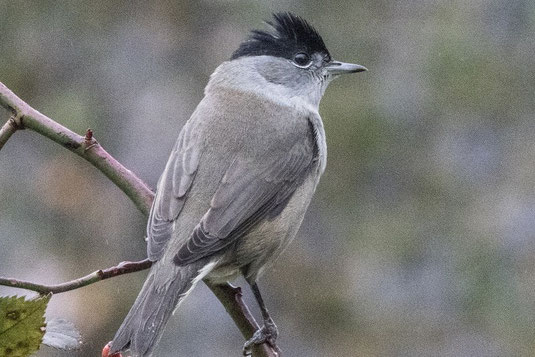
{"points": [[250, 191], [172, 191]]}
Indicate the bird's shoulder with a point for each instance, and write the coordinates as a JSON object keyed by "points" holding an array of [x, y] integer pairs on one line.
{"points": [[230, 117]]}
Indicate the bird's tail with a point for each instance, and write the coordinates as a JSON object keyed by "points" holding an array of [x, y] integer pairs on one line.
{"points": [[164, 289]]}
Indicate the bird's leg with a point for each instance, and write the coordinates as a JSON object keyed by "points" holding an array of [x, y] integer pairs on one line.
{"points": [[267, 333]]}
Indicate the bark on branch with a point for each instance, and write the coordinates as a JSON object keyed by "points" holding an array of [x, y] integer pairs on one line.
{"points": [[7, 130], [25, 117], [119, 269]]}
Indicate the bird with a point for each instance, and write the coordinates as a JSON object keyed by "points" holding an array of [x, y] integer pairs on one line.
{"points": [[240, 177]]}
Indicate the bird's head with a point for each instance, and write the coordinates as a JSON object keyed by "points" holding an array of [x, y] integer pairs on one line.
{"points": [[292, 55]]}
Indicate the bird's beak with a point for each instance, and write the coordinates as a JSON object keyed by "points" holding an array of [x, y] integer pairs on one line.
{"points": [[336, 68]]}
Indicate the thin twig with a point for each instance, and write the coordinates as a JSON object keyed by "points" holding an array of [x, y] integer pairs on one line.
{"points": [[119, 269], [88, 148], [8, 129]]}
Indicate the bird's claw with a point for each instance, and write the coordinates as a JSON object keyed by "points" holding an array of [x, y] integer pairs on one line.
{"points": [[267, 333]]}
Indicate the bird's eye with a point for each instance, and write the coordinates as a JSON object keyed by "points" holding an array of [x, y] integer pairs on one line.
{"points": [[302, 60]]}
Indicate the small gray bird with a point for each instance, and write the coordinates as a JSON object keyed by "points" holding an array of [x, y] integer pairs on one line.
{"points": [[239, 178]]}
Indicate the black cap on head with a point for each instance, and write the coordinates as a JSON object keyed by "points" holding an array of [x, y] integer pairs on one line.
{"points": [[291, 35]]}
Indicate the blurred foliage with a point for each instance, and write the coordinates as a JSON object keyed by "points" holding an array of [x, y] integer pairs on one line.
{"points": [[421, 238]]}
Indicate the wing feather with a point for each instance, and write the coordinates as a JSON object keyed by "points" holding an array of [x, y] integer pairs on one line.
{"points": [[171, 191], [249, 193]]}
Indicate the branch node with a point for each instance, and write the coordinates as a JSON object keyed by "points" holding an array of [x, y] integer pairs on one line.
{"points": [[88, 135], [16, 120], [100, 274], [89, 140], [9, 128]]}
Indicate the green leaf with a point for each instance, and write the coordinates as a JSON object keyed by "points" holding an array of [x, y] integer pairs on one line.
{"points": [[22, 325], [62, 334]]}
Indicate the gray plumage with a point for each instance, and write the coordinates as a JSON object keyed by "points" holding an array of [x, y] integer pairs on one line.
{"points": [[235, 188]]}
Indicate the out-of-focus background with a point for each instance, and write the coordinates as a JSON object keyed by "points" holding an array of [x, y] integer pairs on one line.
{"points": [[421, 238]]}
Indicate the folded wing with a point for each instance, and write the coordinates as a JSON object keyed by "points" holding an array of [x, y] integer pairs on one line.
{"points": [[172, 191], [250, 191]]}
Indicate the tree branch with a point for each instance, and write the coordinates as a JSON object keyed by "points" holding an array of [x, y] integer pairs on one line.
{"points": [[24, 116], [120, 269], [7, 130]]}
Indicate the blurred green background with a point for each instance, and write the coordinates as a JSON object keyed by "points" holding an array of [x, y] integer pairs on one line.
{"points": [[421, 238]]}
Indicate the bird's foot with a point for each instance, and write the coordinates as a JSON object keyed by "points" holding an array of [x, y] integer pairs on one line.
{"points": [[267, 333]]}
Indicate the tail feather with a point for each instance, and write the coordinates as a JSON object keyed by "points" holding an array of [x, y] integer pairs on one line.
{"points": [[164, 289]]}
